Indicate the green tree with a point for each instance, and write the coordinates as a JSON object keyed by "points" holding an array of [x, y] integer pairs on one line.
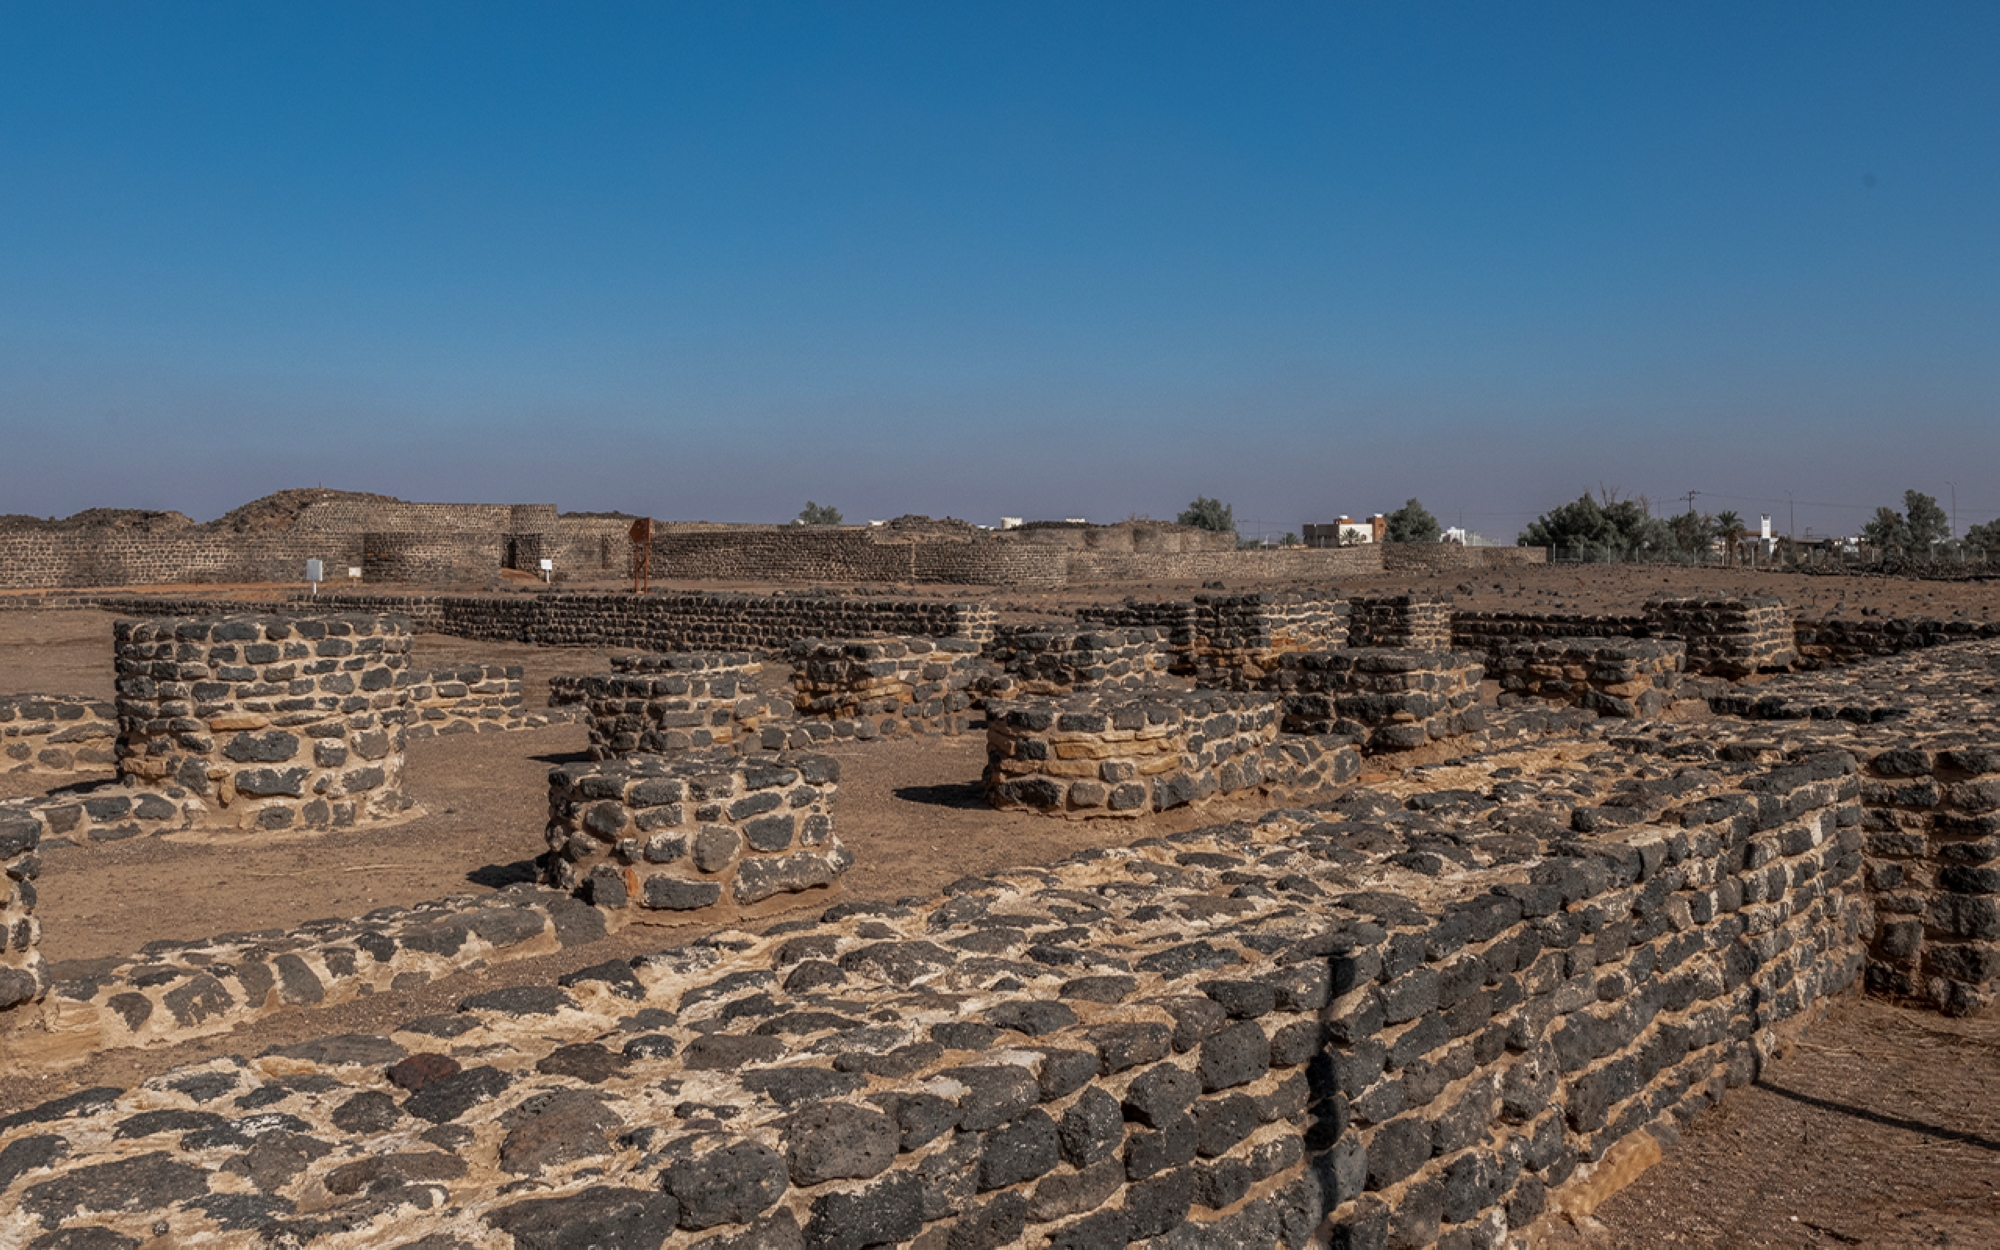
{"points": [[1291, 539], [819, 514], [1985, 538], [1413, 523], [1887, 532], [1209, 514], [1693, 532], [1613, 530], [1926, 522]]}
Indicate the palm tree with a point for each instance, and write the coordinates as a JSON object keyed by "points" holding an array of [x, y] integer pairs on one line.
{"points": [[1727, 526]]}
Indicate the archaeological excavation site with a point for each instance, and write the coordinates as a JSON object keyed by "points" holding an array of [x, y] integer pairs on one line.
{"points": [[912, 886]]}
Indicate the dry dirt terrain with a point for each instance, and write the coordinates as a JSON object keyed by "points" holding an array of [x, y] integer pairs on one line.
{"points": [[1881, 1128]]}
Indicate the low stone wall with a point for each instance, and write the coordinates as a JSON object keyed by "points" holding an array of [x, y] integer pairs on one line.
{"points": [[1490, 631], [1116, 753], [1453, 558], [1933, 846], [1623, 677], [57, 734], [23, 975], [1038, 660], [1384, 698], [1271, 564], [107, 812], [665, 704], [277, 721], [677, 621], [1727, 637], [1419, 621], [1829, 642], [477, 698], [1336, 1026], [668, 835], [882, 687], [174, 991], [1239, 638]]}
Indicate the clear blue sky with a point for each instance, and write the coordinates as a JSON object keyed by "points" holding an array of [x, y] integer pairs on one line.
{"points": [[710, 260]]}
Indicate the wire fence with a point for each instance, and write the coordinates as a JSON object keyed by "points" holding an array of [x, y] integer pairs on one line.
{"points": [[1952, 561]]}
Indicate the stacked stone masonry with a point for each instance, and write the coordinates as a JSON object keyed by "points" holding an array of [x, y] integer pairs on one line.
{"points": [[23, 974], [1933, 845], [1727, 637], [1835, 641], [1492, 631], [106, 812], [278, 722], [658, 704], [1383, 698], [678, 621], [667, 835], [1044, 660], [1117, 753], [480, 698], [1421, 622], [883, 687], [1237, 639], [1220, 1038], [56, 734], [172, 991], [1622, 677]]}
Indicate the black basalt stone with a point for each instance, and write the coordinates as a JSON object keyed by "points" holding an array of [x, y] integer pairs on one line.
{"points": [[445, 1100], [600, 1217], [1092, 1128], [1019, 1151], [1160, 1095], [729, 1185], [148, 1182], [1234, 1055], [887, 1211]]}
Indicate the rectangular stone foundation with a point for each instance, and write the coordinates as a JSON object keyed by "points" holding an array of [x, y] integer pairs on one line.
{"points": [[1419, 622], [1727, 637], [1621, 677], [670, 702], [1041, 661], [1327, 1026], [1385, 698], [882, 687], [1117, 753]]}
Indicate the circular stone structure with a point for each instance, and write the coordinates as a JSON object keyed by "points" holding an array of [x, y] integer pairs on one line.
{"points": [[679, 833], [276, 722]]}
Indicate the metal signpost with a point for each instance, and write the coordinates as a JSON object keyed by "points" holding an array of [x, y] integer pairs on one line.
{"points": [[642, 555]]}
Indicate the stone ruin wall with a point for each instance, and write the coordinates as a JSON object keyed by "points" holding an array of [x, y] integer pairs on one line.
{"points": [[1418, 621], [278, 722], [1452, 558], [472, 698], [1129, 754], [1219, 1037], [1050, 660], [866, 688], [1381, 698], [677, 621], [668, 835], [57, 734], [1623, 677], [1727, 637], [1223, 1034]]}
